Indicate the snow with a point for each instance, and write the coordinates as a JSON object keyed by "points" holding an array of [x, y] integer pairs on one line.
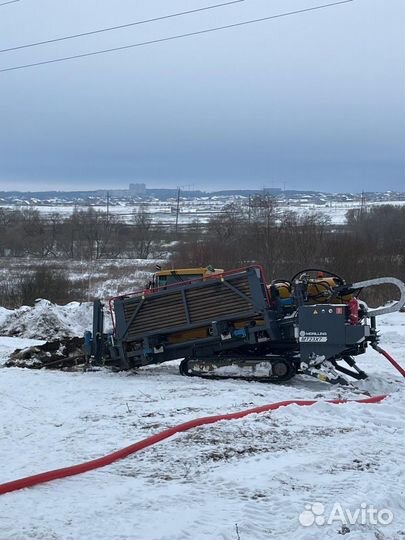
{"points": [[47, 321], [4, 313], [203, 209], [257, 472]]}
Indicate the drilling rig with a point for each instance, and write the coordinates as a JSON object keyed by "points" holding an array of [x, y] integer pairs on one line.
{"points": [[233, 324]]}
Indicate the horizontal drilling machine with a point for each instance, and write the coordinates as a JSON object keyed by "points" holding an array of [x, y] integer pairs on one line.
{"points": [[232, 324]]}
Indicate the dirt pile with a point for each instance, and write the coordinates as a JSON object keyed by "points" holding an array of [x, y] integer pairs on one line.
{"points": [[57, 354]]}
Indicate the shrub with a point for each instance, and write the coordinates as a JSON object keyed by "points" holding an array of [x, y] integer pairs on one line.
{"points": [[54, 285]]}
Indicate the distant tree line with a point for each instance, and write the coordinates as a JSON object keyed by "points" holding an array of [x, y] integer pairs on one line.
{"points": [[371, 244], [85, 235]]}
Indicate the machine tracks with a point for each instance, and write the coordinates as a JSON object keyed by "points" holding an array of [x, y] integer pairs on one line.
{"points": [[249, 368]]}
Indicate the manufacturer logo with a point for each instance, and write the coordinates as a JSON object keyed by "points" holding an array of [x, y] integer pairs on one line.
{"points": [[313, 337]]}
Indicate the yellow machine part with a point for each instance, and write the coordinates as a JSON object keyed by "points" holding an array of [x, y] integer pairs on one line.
{"points": [[198, 271], [200, 333], [195, 333], [283, 288], [165, 277], [318, 291]]}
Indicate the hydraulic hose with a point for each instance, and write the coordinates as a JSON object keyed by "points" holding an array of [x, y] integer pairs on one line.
{"points": [[390, 359], [55, 474]]}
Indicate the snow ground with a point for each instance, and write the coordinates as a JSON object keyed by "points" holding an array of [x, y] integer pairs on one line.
{"points": [[257, 472], [203, 210]]}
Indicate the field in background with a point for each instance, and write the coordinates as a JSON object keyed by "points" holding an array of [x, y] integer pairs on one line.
{"points": [[201, 211]]}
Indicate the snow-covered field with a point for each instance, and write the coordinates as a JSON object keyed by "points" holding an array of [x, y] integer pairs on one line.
{"points": [[202, 210], [245, 479]]}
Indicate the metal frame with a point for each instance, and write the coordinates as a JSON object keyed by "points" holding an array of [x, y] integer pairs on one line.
{"points": [[258, 300]]}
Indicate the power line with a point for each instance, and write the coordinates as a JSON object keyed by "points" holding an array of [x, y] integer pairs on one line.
{"points": [[9, 2], [118, 27], [171, 38]]}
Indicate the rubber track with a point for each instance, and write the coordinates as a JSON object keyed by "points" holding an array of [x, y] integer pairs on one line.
{"points": [[41, 478]]}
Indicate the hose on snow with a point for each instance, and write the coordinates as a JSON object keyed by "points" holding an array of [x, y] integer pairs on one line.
{"points": [[390, 359], [55, 474]]}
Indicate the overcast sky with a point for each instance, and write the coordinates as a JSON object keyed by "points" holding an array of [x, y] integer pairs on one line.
{"points": [[309, 101]]}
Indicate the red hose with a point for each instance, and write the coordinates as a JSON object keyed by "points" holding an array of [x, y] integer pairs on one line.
{"points": [[41, 478], [390, 359]]}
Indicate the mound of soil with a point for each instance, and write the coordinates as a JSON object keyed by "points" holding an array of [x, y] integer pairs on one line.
{"points": [[57, 354]]}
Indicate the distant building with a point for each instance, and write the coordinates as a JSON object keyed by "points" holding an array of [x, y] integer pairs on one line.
{"points": [[137, 189]]}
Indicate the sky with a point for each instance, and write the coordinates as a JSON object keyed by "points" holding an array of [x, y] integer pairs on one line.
{"points": [[309, 101]]}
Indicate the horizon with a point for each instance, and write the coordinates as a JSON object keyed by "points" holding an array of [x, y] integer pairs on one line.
{"points": [[270, 190]]}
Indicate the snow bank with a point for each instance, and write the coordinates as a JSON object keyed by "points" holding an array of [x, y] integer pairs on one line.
{"points": [[46, 320], [4, 313]]}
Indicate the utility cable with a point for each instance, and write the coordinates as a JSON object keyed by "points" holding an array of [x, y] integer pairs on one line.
{"points": [[171, 38], [9, 2], [118, 27]]}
